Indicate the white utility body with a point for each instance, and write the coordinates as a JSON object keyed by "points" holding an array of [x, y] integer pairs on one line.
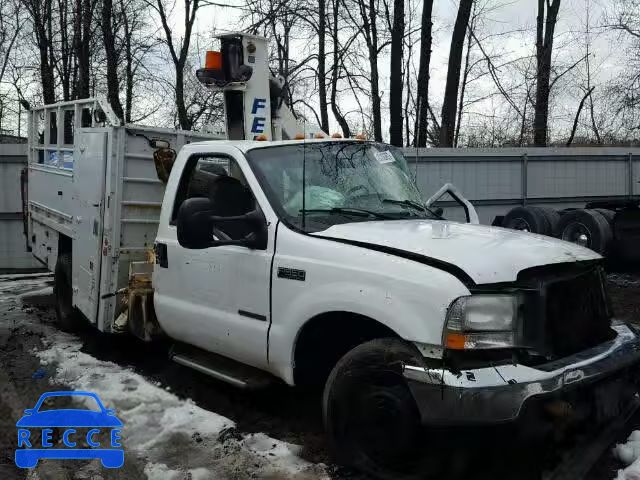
{"points": [[313, 261]]}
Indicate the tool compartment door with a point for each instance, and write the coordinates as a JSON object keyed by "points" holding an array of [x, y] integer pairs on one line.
{"points": [[88, 204]]}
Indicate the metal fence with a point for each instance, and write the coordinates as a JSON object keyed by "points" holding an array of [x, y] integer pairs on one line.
{"points": [[13, 252], [496, 180]]}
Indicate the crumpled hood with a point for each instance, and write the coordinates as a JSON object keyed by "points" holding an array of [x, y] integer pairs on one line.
{"points": [[486, 254]]}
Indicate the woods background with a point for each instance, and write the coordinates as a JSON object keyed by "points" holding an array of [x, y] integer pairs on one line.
{"points": [[410, 72]]}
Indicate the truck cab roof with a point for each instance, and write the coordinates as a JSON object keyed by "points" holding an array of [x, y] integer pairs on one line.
{"points": [[246, 145]]}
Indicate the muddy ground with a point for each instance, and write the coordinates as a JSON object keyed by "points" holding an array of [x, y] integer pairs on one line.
{"points": [[282, 413]]}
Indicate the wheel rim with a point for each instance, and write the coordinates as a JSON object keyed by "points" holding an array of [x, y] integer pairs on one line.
{"points": [[521, 224], [577, 233], [383, 425]]}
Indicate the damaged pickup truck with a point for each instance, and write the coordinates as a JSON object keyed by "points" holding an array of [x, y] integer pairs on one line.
{"points": [[318, 263]]}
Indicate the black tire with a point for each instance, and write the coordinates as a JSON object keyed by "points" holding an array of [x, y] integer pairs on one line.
{"points": [[609, 215], [553, 217], [371, 418], [529, 219], [587, 228], [67, 315]]}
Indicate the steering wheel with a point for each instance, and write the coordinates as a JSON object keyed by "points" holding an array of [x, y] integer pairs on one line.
{"points": [[352, 191]]}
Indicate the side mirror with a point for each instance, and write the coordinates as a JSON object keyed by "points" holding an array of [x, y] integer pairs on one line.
{"points": [[196, 225]]}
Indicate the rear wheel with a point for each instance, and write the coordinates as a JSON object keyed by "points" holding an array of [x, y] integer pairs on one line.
{"points": [[609, 215], [552, 216], [587, 228], [68, 317], [527, 219], [371, 418]]}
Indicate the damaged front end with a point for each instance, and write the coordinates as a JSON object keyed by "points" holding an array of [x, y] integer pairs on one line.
{"points": [[569, 358]]}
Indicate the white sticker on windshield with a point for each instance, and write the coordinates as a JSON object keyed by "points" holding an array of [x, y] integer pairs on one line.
{"points": [[384, 156]]}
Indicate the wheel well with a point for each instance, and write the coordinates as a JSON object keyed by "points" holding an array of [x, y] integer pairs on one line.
{"points": [[64, 244], [326, 338]]}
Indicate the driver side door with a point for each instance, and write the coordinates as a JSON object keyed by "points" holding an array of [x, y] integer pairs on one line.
{"points": [[215, 298]]}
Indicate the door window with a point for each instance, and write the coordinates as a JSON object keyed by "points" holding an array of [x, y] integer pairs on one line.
{"points": [[220, 179]]}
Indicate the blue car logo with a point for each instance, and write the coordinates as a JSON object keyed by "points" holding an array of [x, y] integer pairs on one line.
{"points": [[69, 420]]}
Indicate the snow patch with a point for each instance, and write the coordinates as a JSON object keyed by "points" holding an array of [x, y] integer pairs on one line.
{"points": [[175, 437], [629, 454], [41, 292]]}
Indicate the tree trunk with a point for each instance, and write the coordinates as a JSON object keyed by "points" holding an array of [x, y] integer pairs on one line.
{"points": [[449, 104], [322, 68], [128, 81], [82, 47], [40, 13], [113, 84], [422, 92], [577, 117], [183, 116], [545, 29], [463, 84], [395, 80], [371, 25], [335, 68]]}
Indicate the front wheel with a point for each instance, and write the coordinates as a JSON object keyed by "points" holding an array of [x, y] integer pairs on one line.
{"points": [[370, 416]]}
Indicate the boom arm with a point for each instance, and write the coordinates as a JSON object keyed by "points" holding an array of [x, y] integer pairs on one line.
{"points": [[253, 97]]}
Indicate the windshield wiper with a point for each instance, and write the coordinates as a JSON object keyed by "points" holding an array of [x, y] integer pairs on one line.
{"points": [[358, 212], [413, 204]]}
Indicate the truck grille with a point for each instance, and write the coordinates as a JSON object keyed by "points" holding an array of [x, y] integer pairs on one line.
{"points": [[577, 312]]}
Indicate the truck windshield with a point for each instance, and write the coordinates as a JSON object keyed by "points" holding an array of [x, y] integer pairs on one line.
{"points": [[342, 182]]}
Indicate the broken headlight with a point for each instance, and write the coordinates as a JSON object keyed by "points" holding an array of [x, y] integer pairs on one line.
{"points": [[483, 321]]}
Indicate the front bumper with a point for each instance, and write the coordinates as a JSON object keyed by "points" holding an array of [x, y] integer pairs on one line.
{"points": [[498, 394]]}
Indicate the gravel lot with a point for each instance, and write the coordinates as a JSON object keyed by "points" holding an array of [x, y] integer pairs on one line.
{"points": [[276, 433]]}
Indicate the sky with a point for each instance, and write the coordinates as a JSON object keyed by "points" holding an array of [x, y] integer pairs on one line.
{"points": [[507, 30]]}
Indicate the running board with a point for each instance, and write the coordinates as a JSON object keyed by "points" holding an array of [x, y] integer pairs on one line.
{"points": [[221, 368]]}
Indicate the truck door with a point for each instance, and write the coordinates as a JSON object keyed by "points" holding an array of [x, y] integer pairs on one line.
{"points": [[215, 298], [88, 192]]}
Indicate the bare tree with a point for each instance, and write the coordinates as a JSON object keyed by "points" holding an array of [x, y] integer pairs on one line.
{"points": [[179, 50], [449, 104], [422, 114], [40, 16], [545, 28], [82, 43], [337, 68], [109, 40], [395, 80], [10, 26]]}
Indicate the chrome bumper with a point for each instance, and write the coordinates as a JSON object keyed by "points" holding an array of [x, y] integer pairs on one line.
{"points": [[498, 394]]}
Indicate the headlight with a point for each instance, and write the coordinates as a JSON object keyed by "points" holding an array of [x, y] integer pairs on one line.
{"points": [[482, 322]]}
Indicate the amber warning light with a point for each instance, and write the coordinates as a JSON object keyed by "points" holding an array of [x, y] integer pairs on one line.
{"points": [[213, 60]]}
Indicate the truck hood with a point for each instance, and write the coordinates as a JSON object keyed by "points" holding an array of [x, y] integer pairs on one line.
{"points": [[485, 254]]}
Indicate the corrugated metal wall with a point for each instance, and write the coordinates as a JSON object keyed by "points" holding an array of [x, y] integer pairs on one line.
{"points": [[496, 180], [13, 253]]}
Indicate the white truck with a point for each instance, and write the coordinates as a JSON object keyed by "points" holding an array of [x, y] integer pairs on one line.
{"points": [[316, 262]]}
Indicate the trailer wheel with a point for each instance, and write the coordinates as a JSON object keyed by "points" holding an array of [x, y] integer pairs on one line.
{"points": [[587, 228], [68, 317], [609, 215], [528, 219], [371, 418], [552, 216]]}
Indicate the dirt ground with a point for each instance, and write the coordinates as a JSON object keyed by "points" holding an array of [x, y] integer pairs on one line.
{"points": [[289, 415]]}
